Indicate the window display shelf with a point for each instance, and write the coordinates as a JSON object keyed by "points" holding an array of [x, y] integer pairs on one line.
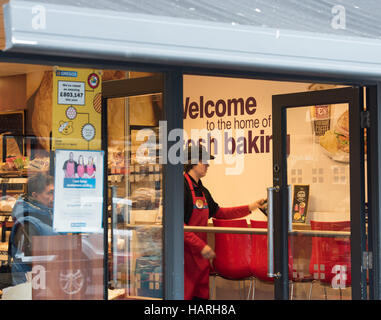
{"points": [[24, 173]]}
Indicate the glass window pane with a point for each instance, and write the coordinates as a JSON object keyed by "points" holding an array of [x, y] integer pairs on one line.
{"points": [[318, 170], [52, 176], [51, 180], [135, 182]]}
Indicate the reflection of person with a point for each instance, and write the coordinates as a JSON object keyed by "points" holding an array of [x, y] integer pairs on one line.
{"points": [[90, 168], [32, 215], [199, 206], [80, 167], [70, 166]]}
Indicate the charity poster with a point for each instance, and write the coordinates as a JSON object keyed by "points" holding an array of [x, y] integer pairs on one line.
{"points": [[78, 194], [77, 104]]}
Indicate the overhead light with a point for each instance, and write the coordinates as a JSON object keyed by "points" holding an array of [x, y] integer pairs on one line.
{"points": [[33, 42]]}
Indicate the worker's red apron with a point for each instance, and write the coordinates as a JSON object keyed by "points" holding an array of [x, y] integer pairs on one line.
{"points": [[196, 267], [80, 170]]}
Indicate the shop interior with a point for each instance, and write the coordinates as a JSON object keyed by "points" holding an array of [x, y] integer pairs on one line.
{"points": [[232, 117]]}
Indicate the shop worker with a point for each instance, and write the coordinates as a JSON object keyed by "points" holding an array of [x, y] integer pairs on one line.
{"points": [[70, 166], [32, 215], [199, 206]]}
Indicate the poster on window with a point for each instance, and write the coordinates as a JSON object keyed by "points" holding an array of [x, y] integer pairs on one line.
{"points": [[78, 194], [77, 104], [300, 203]]}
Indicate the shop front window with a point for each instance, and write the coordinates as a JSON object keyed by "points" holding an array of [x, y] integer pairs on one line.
{"points": [[52, 183]]}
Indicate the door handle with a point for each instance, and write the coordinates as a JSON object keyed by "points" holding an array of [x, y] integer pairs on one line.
{"points": [[289, 188], [270, 232]]}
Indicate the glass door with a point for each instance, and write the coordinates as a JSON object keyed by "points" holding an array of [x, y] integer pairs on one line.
{"points": [[317, 227], [135, 188]]}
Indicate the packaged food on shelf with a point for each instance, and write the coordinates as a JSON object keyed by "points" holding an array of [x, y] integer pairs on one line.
{"points": [[15, 163], [149, 241], [7, 203], [149, 277], [39, 164], [144, 199]]}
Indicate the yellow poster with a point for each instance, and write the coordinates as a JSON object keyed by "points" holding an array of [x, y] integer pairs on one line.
{"points": [[77, 104]]}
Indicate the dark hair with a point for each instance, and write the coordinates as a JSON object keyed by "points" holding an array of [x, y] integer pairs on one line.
{"points": [[38, 183], [194, 154], [188, 167]]}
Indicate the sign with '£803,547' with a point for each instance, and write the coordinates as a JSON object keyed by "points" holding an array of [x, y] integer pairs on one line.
{"points": [[77, 103]]}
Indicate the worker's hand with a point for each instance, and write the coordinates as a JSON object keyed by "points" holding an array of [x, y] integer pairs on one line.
{"points": [[257, 204], [208, 253]]}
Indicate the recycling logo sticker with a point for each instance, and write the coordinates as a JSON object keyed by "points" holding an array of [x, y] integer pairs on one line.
{"points": [[88, 132]]}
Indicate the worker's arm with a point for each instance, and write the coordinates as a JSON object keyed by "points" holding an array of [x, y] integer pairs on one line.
{"points": [[232, 213], [238, 212]]}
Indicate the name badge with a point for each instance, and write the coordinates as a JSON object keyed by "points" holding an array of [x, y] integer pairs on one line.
{"points": [[199, 203]]}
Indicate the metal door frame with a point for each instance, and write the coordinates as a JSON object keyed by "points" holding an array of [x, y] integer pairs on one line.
{"points": [[353, 96], [374, 177]]}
